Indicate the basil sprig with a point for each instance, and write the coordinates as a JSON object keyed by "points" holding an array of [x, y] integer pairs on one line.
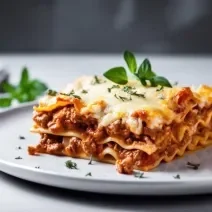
{"points": [[26, 90], [117, 75], [144, 73]]}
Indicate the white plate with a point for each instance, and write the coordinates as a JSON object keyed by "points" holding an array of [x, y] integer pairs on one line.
{"points": [[104, 177]]}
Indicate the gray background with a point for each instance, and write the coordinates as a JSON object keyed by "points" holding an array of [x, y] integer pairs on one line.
{"points": [[105, 26]]}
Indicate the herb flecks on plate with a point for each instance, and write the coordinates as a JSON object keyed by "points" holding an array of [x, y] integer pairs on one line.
{"points": [[88, 174], [71, 165], [21, 137], [177, 176], [143, 73], [18, 158], [139, 175], [91, 160], [27, 89], [194, 166]]}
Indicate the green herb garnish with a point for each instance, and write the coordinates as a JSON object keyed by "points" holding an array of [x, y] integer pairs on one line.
{"points": [[71, 165], [5, 102], [90, 161], [21, 137], [18, 158], [194, 166], [96, 80], [84, 91], [131, 61], [52, 92], [88, 174], [19, 147], [76, 96], [117, 75], [129, 90], [37, 167], [27, 89], [144, 73], [123, 98], [114, 86], [139, 175], [177, 176]]}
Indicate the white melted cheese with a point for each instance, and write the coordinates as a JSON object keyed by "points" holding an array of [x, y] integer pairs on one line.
{"points": [[117, 104], [116, 107]]}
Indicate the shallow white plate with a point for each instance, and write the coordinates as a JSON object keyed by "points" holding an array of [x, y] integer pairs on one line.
{"points": [[104, 179]]}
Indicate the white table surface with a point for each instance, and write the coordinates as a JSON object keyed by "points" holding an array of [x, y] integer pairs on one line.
{"points": [[57, 70]]}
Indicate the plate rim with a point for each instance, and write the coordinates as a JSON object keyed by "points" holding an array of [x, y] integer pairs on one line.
{"points": [[194, 181]]}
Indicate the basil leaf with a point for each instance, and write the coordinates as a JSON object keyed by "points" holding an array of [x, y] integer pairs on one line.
{"points": [[7, 87], [145, 70], [143, 81], [158, 80], [24, 78], [5, 102], [131, 61], [117, 75], [38, 87]]}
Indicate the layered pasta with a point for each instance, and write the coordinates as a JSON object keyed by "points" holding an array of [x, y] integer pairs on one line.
{"points": [[131, 126]]}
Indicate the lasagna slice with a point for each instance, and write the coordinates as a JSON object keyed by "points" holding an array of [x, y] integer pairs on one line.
{"points": [[131, 126]]}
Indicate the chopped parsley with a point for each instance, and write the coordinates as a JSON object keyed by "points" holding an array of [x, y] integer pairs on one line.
{"points": [[71, 165], [21, 137], [51, 92], [18, 158], [19, 147], [194, 166], [130, 90], [37, 167], [95, 80], [54, 93], [123, 98], [76, 96], [177, 176], [91, 160], [88, 174], [114, 86], [138, 94], [84, 91], [139, 175]]}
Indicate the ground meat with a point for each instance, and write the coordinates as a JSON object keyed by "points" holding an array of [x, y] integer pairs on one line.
{"points": [[63, 119], [49, 144], [117, 128], [99, 133], [72, 145], [42, 119], [50, 139], [89, 145], [125, 166]]}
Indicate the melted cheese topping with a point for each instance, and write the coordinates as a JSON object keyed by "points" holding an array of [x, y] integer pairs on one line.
{"points": [[109, 104]]}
